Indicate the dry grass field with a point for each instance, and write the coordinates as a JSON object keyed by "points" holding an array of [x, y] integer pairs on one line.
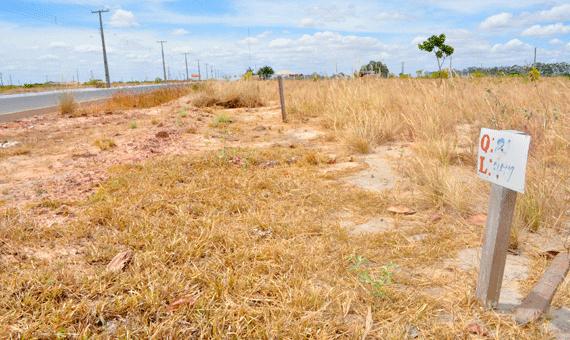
{"points": [[241, 226]]}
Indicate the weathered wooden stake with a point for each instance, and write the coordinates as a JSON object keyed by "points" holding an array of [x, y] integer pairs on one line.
{"points": [[495, 245], [283, 114]]}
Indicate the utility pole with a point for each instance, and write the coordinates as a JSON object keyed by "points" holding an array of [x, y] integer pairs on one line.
{"points": [[199, 75], [212, 71], [335, 69], [402, 68], [186, 60], [10, 81], [104, 50], [77, 71], [535, 57], [1, 82], [163, 64], [206, 71]]}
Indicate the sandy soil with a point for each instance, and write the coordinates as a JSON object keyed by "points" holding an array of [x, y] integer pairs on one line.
{"points": [[64, 158]]}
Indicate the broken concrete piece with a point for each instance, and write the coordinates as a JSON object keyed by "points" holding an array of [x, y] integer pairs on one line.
{"points": [[538, 300]]}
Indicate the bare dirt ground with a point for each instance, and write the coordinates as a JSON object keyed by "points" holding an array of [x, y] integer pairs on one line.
{"points": [[64, 159]]}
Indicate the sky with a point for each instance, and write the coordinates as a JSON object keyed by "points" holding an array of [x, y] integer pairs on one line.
{"points": [[60, 39]]}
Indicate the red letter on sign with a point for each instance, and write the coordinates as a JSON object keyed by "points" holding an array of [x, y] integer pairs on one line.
{"points": [[481, 170], [485, 141]]}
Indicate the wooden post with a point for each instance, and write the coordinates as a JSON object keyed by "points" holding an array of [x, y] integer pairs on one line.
{"points": [[283, 114], [495, 244]]}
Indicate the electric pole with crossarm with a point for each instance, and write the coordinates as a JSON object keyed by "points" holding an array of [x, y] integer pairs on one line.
{"points": [[163, 64], [104, 50], [186, 60]]}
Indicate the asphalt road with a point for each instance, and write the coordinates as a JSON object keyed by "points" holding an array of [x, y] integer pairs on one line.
{"points": [[40, 100]]}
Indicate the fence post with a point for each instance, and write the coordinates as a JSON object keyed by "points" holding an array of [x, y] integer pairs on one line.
{"points": [[283, 114]]}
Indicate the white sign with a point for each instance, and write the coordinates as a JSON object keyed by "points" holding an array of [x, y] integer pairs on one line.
{"points": [[502, 158]]}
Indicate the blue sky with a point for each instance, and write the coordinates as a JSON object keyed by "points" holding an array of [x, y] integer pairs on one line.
{"points": [[57, 39]]}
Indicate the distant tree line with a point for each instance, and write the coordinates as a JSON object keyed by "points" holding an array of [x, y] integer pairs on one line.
{"points": [[546, 70]]}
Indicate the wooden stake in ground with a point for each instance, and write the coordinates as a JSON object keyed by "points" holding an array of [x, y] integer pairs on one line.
{"points": [[495, 244], [283, 114]]}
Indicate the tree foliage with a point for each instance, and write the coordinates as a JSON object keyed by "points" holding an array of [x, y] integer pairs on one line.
{"points": [[546, 70], [441, 50], [265, 72], [376, 66]]}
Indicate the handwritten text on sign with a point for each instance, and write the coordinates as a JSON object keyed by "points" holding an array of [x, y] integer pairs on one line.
{"points": [[502, 158]]}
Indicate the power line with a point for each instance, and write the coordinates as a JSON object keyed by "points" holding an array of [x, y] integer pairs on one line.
{"points": [[42, 12]]}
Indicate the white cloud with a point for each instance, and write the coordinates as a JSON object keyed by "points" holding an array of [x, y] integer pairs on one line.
{"points": [[264, 34], [558, 13], [497, 22], [385, 16], [138, 58], [123, 18], [307, 23], [507, 20], [58, 46], [279, 42], [556, 41], [183, 49], [179, 31], [91, 49], [513, 46], [248, 40], [32, 48], [286, 32], [332, 13], [418, 40], [48, 57], [538, 31], [333, 45]]}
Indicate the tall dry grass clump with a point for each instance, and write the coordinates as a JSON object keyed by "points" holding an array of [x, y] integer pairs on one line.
{"points": [[231, 95], [124, 100], [67, 104]]}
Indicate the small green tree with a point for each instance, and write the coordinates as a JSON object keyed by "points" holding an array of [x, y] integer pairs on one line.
{"points": [[441, 50], [265, 72]]}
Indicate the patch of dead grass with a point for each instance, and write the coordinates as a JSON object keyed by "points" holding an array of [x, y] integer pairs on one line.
{"points": [[259, 250]]}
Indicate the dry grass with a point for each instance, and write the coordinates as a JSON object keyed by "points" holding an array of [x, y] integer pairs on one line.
{"points": [[124, 100], [15, 151], [105, 143], [66, 103], [258, 252], [231, 96]]}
